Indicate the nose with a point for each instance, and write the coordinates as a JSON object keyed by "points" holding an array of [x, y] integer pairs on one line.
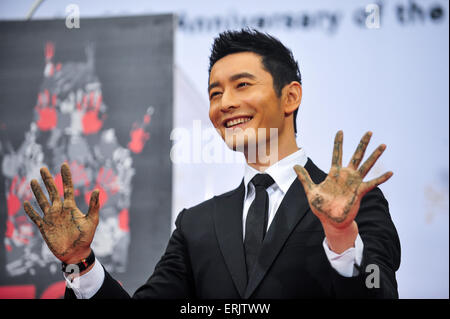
{"points": [[228, 101]]}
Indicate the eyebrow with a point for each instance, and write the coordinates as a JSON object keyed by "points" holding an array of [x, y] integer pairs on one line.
{"points": [[233, 78]]}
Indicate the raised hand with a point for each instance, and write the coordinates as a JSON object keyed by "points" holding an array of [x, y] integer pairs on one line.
{"points": [[336, 200], [66, 230]]}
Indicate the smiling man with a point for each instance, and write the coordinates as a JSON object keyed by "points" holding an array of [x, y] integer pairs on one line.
{"points": [[249, 110], [288, 231]]}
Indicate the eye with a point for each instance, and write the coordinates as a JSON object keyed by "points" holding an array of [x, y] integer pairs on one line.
{"points": [[214, 94], [243, 84]]}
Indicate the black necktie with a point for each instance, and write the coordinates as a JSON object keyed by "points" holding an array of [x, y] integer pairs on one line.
{"points": [[256, 223]]}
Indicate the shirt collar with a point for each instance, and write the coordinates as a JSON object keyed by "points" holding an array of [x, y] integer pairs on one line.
{"points": [[282, 171]]}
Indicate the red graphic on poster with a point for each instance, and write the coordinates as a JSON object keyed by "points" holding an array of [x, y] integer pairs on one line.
{"points": [[138, 134], [47, 118], [54, 291]]}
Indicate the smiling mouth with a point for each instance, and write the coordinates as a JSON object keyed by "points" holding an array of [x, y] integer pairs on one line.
{"points": [[237, 121]]}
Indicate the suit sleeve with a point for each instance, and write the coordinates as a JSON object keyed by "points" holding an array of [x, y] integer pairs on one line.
{"points": [[171, 279], [381, 255]]}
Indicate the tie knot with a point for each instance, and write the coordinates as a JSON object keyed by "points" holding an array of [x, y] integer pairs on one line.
{"points": [[263, 180]]}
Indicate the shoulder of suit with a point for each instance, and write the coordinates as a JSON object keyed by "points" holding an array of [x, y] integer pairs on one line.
{"points": [[203, 206]]}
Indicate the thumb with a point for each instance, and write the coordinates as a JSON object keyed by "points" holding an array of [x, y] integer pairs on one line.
{"points": [[304, 177], [94, 206]]}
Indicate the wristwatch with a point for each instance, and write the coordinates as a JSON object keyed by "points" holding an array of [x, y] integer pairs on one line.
{"points": [[81, 266]]}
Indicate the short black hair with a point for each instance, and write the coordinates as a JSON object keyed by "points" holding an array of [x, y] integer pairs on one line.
{"points": [[277, 59]]}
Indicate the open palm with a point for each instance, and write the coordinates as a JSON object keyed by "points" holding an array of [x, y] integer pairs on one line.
{"points": [[66, 230], [336, 200]]}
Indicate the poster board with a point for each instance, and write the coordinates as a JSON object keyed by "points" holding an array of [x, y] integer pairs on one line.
{"points": [[99, 97]]}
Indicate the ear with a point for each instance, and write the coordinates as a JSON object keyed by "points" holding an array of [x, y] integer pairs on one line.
{"points": [[292, 97]]}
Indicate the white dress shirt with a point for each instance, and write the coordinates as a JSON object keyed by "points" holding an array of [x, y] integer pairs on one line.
{"points": [[284, 175]]}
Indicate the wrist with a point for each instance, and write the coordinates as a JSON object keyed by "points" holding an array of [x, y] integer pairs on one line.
{"points": [[77, 258], [341, 239], [87, 269], [79, 266]]}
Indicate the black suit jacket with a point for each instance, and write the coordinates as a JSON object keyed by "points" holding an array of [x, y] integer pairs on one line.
{"points": [[205, 254]]}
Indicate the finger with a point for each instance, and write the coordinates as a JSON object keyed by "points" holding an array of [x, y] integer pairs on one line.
{"points": [[50, 184], [67, 182], [94, 206], [40, 196], [304, 177], [365, 168], [337, 149], [32, 214], [360, 150], [368, 186]]}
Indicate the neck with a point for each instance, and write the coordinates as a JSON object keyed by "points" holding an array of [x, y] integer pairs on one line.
{"points": [[269, 156]]}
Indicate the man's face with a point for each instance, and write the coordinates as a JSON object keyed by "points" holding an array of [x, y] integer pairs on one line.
{"points": [[243, 100]]}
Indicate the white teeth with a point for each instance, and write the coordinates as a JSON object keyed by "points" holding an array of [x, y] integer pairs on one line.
{"points": [[238, 121]]}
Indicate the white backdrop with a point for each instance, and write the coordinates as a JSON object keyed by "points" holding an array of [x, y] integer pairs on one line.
{"points": [[392, 80]]}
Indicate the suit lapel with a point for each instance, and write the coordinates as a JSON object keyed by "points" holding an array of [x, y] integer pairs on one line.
{"points": [[291, 211], [228, 226]]}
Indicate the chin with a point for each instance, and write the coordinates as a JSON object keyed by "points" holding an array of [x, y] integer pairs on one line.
{"points": [[234, 145], [240, 143]]}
